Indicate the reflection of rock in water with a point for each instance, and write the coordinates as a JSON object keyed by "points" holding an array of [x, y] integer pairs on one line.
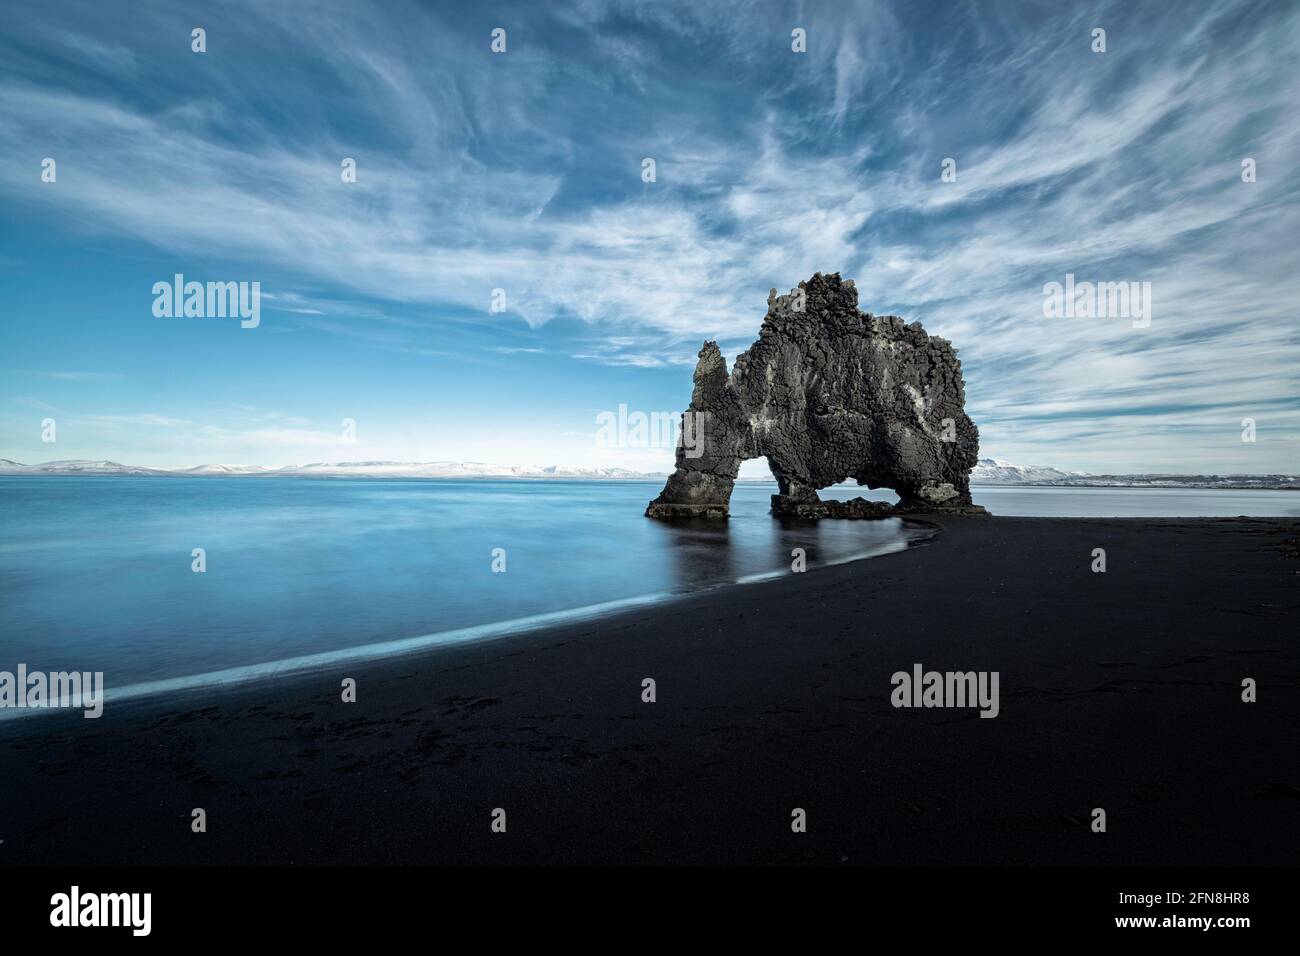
{"points": [[701, 552], [827, 393]]}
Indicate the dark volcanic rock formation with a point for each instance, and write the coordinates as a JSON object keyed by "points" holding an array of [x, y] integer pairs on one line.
{"points": [[827, 393]]}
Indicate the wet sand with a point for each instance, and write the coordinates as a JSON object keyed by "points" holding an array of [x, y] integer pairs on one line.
{"points": [[1119, 690]]}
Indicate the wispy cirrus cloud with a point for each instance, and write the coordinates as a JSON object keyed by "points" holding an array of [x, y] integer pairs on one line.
{"points": [[149, 419], [71, 375]]}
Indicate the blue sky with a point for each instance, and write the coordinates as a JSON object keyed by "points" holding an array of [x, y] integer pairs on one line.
{"points": [[522, 171]]}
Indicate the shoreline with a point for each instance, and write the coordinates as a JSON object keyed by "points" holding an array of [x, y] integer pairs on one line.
{"points": [[172, 691], [1118, 690]]}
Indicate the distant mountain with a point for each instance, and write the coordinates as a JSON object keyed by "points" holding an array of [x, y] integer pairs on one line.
{"points": [[455, 469], [988, 471], [227, 470], [346, 469], [75, 467], [995, 471]]}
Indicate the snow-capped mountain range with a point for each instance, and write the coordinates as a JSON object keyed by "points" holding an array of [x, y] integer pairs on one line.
{"points": [[74, 467], [995, 471], [344, 469], [988, 471]]}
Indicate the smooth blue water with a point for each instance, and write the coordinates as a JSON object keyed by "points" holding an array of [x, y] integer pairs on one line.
{"points": [[95, 572]]}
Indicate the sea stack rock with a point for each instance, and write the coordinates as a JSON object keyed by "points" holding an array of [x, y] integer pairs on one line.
{"points": [[827, 393]]}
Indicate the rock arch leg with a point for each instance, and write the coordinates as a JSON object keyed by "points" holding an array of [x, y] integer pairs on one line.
{"points": [[709, 451], [709, 456]]}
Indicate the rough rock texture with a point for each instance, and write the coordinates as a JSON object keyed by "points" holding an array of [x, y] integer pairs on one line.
{"points": [[814, 507], [828, 393]]}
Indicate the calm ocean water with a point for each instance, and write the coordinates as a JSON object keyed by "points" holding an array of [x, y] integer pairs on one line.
{"points": [[95, 573]]}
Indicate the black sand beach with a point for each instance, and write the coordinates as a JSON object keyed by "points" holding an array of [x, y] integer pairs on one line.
{"points": [[1119, 690]]}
